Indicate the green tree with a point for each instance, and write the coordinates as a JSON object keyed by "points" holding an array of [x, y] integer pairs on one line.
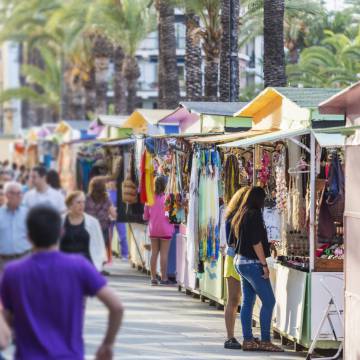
{"points": [[209, 31], [333, 63], [46, 80], [169, 89], [299, 17], [127, 24]]}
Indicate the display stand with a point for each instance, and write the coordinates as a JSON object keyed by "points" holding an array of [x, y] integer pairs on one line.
{"points": [[300, 301]]}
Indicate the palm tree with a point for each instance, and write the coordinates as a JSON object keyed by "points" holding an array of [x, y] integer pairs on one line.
{"points": [[47, 81], [210, 33], [169, 90], [24, 23], [102, 51], [274, 54], [127, 25], [193, 58], [299, 18], [229, 60], [333, 63], [119, 81]]}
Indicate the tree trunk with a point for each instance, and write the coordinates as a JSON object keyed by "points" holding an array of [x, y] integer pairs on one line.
{"points": [[35, 111], [25, 106], [131, 74], [119, 82], [169, 94], [90, 94], [211, 78], [229, 55], [72, 94], [102, 51], [274, 54], [193, 59]]}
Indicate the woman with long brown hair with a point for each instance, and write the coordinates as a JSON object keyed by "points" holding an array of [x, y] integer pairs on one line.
{"points": [[99, 205], [252, 249], [230, 274], [161, 232]]}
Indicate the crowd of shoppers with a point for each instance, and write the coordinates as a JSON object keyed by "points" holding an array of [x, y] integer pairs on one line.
{"points": [[33, 206], [43, 295], [36, 221]]}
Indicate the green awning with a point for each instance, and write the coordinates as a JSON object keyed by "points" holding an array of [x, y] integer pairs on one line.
{"points": [[329, 140]]}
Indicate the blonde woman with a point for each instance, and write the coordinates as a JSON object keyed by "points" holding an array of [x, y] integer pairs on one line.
{"points": [[82, 232], [230, 274]]}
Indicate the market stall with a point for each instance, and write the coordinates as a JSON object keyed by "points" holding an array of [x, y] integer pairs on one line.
{"points": [[347, 103], [301, 171]]}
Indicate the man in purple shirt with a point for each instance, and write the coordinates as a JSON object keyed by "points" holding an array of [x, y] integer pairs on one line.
{"points": [[43, 296]]}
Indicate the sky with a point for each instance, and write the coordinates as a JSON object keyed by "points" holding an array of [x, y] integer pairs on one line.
{"points": [[334, 4]]}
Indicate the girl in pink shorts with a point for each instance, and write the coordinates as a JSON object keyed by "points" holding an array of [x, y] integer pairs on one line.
{"points": [[161, 232]]}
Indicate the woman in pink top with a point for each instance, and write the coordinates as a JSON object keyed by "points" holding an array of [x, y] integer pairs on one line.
{"points": [[161, 232]]}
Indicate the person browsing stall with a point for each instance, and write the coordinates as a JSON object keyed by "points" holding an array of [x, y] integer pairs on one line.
{"points": [[230, 274], [252, 249], [161, 232], [43, 296], [13, 235], [99, 205], [42, 193]]}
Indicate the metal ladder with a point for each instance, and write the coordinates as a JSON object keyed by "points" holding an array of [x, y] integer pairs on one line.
{"points": [[331, 310]]}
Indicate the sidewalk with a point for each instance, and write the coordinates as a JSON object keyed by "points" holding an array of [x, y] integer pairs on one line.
{"points": [[161, 323]]}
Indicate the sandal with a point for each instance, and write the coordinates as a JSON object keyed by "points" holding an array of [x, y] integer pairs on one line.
{"points": [[251, 345], [269, 347], [154, 282]]}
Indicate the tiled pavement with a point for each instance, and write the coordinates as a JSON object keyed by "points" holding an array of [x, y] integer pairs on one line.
{"points": [[161, 323]]}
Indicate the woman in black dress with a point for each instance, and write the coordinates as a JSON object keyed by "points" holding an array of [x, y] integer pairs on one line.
{"points": [[76, 238]]}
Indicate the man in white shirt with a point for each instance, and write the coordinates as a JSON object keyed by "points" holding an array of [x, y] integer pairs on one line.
{"points": [[42, 193]]}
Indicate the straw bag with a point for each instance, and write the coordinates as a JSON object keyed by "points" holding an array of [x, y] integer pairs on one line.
{"points": [[128, 187]]}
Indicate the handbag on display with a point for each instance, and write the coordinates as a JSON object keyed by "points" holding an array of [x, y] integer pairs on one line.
{"points": [[325, 228], [335, 197]]}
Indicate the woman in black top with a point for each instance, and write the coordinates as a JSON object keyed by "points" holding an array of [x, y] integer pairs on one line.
{"points": [[252, 249], [75, 239]]}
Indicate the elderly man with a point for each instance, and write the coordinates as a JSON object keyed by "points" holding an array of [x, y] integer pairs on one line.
{"points": [[13, 234], [42, 193]]}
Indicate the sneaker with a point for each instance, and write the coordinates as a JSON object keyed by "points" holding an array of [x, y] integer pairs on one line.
{"points": [[154, 282], [164, 282], [232, 344]]}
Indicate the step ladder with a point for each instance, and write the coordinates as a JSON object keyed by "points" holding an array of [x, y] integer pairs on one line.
{"points": [[331, 310]]}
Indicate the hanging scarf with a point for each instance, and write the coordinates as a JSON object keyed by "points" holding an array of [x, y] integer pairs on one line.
{"points": [[149, 179], [231, 175]]}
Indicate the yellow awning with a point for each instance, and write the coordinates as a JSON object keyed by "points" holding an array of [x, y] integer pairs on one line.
{"points": [[141, 118], [267, 99]]}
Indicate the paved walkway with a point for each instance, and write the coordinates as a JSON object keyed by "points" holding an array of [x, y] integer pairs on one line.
{"points": [[161, 323]]}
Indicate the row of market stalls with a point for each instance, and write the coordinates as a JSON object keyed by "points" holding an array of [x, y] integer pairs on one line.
{"points": [[208, 151]]}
